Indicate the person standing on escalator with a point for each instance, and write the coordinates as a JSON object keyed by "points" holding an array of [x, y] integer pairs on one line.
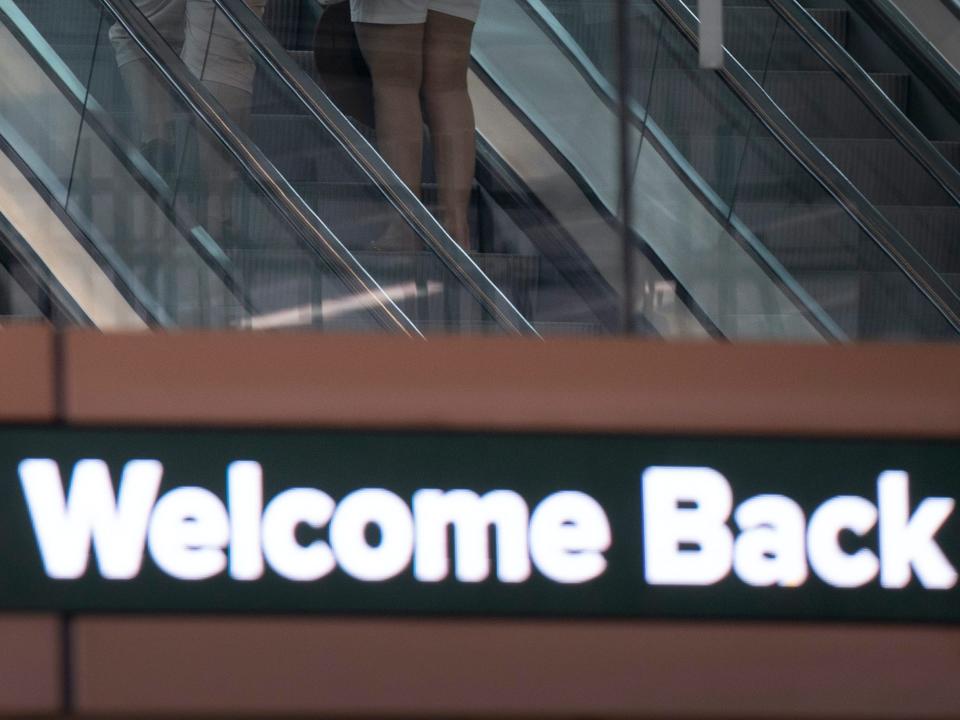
{"points": [[215, 54], [418, 52]]}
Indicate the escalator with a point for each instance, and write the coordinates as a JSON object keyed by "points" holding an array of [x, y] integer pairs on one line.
{"points": [[742, 227], [721, 190], [821, 221], [207, 235], [554, 236], [880, 103]]}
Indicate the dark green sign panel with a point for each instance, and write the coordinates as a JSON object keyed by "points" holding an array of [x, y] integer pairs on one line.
{"points": [[459, 524]]}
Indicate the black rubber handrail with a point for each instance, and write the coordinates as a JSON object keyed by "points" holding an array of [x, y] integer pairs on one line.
{"points": [[311, 229], [912, 263], [395, 191]]}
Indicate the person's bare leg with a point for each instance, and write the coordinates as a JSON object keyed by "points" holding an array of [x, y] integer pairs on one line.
{"points": [[450, 116], [394, 55]]}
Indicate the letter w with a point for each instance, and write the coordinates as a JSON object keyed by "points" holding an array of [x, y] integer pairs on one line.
{"points": [[64, 528]]}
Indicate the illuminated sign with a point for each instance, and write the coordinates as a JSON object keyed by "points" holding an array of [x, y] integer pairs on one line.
{"points": [[478, 524], [190, 533]]}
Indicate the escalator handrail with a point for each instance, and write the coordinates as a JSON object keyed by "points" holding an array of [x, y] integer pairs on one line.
{"points": [[318, 237], [928, 62], [853, 74], [661, 142], [316, 102], [877, 227]]}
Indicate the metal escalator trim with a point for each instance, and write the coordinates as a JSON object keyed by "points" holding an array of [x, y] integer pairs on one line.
{"points": [[721, 210], [99, 251], [892, 117], [802, 148], [14, 248], [401, 198], [64, 258], [130, 157], [315, 233]]}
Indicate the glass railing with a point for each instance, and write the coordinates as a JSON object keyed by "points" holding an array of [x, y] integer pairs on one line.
{"points": [[897, 268], [231, 183]]}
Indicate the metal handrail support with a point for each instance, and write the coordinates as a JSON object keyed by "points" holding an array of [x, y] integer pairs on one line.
{"points": [[312, 229], [803, 149], [401, 198]]}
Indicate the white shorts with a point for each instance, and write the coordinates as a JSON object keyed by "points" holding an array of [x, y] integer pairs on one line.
{"points": [[410, 12], [209, 44]]}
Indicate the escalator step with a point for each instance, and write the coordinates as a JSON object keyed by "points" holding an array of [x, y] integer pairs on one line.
{"points": [[683, 101], [749, 31], [821, 238], [883, 171], [282, 18]]}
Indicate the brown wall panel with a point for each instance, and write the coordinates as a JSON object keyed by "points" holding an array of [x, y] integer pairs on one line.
{"points": [[382, 668], [26, 374], [29, 664], [508, 384]]}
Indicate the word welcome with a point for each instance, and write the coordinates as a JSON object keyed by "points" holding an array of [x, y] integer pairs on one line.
{"points": [[191, 535]]}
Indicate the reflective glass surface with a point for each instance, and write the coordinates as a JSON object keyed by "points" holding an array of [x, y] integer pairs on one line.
{"points": [[269, 164], [818, 239]]}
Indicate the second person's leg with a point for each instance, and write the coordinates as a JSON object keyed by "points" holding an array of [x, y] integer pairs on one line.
{"points": [[151, 99], [218, 55], [394, 55], [450, 117]]}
